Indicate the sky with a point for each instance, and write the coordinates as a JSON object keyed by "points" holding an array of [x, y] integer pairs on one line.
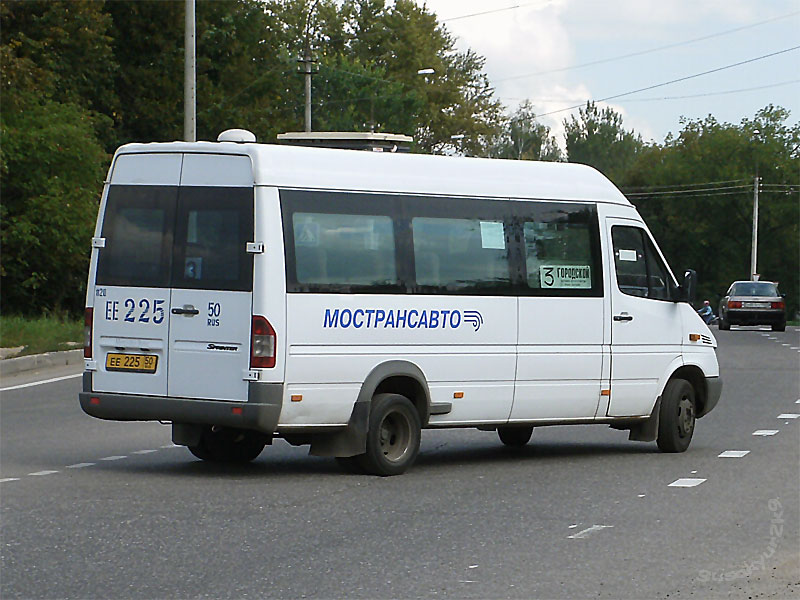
{"points": [[542, 50]]}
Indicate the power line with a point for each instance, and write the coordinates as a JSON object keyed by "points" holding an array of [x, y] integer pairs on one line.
{"points": [[685, 185], [703, 95], [691, 191], [496, 10], [657, 85], [641, 52]]}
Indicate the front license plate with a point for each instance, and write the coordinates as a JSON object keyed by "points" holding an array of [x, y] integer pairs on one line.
{"points": [[755, 305], [132, 363]]}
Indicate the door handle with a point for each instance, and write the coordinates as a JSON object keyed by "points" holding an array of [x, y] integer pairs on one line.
{"points": [[186, 310], [623, 317]]}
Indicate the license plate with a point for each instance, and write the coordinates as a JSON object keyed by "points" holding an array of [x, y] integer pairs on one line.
{"points": [[132, 363], [755, 305]]}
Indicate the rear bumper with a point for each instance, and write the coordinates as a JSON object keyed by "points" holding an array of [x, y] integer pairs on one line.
{"points": [[755, 317], [260, 413], [713, 394]]}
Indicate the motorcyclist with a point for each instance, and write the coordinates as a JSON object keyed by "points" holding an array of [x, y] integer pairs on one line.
{"points": [[707, 313]]}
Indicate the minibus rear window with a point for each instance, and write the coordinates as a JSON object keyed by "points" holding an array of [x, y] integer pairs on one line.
{"points": [[137, 228], [190, 237]]}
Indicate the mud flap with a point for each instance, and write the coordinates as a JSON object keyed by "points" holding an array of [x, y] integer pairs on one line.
{"points": [[350, 441], [647, 431]]}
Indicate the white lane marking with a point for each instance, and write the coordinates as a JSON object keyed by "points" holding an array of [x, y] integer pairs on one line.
{"points": [[788, 416], [766, 432], [795, 348], [40, 473], [784, 344], [113, 458], [694, 472], [641, 495], [587, 532], [26, 385], [144, 451], [170, 446], [9, 479], [797, 401], [686, 482], [80, 465], [734, 454], [572, 526]]}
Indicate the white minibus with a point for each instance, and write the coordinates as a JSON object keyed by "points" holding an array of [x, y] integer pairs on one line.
{"points": [[346, 299]]}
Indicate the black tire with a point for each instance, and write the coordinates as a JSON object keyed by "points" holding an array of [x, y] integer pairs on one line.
{"points": [[515, 436], [779, 327], [393, 436], [223, 444], [677, 416], [724, 325]]}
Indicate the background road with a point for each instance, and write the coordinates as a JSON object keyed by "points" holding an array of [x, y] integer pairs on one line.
{"points": [[95, 509]]}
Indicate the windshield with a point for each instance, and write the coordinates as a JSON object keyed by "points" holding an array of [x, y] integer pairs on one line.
{"points": [[754, 288]]}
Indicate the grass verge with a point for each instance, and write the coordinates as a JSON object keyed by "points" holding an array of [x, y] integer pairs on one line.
{"points": [[40, 334]]}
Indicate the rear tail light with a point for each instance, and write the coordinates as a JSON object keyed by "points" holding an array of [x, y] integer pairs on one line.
{"points": [[87, 333], [780, 305], [262, 344], [734, 304]]}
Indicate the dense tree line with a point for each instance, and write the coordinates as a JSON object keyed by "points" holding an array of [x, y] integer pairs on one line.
{"points": [[81, 77]]}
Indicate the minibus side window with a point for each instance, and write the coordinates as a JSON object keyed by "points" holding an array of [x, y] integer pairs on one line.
{"points": [[454, 254], [640, 270], [344, 249], [561, 250]]}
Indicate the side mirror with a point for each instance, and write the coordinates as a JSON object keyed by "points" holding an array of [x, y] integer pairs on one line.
{"points": [[688, 289]]}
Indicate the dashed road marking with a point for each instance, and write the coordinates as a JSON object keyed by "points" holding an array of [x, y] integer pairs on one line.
{"points": [[788, 416], [41, 473], [686, 482], [27, 385], [765, 432], [734, 454], [588, 531], [5, 479], [144, 451], [80, 465], [113, 458]]}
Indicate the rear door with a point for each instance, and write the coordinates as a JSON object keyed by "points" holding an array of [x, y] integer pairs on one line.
{"points": [[132, 295], [212, 279]]}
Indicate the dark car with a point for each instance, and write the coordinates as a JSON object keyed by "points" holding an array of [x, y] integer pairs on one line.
{"points": [[753, 303]]}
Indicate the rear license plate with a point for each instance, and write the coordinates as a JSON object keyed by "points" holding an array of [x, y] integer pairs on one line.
{"points": [[755, 304], [132, 363]]}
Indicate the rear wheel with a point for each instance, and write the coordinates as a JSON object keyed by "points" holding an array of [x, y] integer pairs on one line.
{"points": [[223, 444], [393, 437], [723, 324], [515, 436], [779, 327], [676, 418]]}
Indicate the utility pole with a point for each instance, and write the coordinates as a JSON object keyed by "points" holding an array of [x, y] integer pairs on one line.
{"points": [[754, 251], [307, 64], [189, 77]]}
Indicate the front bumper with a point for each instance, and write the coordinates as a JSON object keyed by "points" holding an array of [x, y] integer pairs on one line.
{"points": [[713, 394], [260, 413]]}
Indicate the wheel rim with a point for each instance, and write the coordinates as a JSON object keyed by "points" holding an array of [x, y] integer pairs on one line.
{"points": [[685, 417], [395, 436]]}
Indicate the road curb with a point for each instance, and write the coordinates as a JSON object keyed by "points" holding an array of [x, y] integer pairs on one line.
{"points": [[12, 366]]}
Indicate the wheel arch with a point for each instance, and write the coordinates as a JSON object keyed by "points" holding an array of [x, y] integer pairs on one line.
{"points": [[390, 377], [695, 376]]}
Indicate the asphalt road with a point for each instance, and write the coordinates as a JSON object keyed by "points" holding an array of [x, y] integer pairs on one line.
{"points": [[94, 509]]}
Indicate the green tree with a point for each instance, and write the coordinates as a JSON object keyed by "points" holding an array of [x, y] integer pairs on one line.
{"points": [[524, 138], [696, 193], [598, 139]]}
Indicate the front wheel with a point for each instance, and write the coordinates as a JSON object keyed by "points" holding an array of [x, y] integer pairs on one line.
{"points": [[515, 436], [676, 417], [224, 444], [393, 437]]}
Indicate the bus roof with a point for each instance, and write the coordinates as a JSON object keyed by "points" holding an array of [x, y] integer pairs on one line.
{"points": [[334, 169]]}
